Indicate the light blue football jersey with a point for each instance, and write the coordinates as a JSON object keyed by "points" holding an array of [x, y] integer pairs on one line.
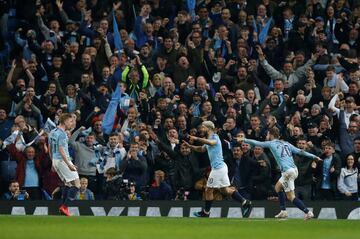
{"points": [[215, 153], [282, 151], [58, 138]]}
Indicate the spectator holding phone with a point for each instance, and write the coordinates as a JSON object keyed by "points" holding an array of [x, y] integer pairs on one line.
{"points": [[15, 193]]}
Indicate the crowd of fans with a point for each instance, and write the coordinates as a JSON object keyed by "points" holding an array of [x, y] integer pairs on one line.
{"points": [[140, 76]]}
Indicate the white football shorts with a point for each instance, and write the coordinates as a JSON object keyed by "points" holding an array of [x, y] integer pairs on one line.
{"points": [[218, 178], [64, 172], [288, 179]]}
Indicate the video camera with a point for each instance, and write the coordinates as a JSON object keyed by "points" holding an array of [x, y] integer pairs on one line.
{"points": [[120, 187]]}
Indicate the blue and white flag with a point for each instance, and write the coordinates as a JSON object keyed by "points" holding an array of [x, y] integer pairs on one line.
{"points": [[49, 125], [86, 132], [11, 139]]}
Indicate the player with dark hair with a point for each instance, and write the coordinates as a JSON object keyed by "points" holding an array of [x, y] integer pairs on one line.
{"points": [[218, 178]]}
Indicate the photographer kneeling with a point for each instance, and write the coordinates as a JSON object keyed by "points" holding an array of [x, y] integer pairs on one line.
{"points": [[118, 188]]}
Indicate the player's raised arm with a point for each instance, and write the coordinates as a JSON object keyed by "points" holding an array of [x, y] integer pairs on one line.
{"points": [[200, 149], [203, 141], [253, 142], [301, 152]]}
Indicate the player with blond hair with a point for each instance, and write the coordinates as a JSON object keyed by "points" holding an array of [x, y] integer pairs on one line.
{"points": [[61, 161]]}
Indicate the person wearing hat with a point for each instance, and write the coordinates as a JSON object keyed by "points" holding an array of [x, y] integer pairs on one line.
{"points": [[195, 106], [349, 107], [70, 33], [218, 178], [318, 31], [312, 134], [315, 114], [132, 196], [319, 19], [223, 103]]}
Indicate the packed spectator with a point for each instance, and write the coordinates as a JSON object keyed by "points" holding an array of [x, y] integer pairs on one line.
{"points": [[141, 76]]}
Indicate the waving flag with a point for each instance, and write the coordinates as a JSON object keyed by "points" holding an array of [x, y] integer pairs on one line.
{"points": [[49, 125], [86, 132], [11, 139], [117, 38], [265, 31], [110, 114], [191, 8]]}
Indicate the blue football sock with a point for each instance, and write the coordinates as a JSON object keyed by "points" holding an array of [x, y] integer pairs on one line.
{"points": [[282, 200], [208, 204], [299, 204], [64, 193], [71, 195], [238, 197]]}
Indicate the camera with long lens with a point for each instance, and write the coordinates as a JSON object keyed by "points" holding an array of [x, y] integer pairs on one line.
{"points": [[121, 187]]}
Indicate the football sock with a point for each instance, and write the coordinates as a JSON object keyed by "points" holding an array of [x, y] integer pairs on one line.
{"points": [[207, 206], [64, 193], [237, 196], [71, 195], [282, 199], [297, 202]]}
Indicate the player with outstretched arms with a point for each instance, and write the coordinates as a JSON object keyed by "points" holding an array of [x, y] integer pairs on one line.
{"points": [[283, 153], [218, 178], [61, 161]]}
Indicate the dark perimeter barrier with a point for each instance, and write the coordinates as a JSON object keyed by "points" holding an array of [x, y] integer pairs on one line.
{"points": [[226, 209]]}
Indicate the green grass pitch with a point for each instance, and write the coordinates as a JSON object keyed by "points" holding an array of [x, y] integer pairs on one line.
{"points": [[54, 227]]}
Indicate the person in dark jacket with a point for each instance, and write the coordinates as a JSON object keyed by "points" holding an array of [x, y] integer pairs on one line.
{"points": [[15, 193], [304, 181], [185, 165], [134, 167], [160, 189], [115, 186], [239, 171], [260, 175]]}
